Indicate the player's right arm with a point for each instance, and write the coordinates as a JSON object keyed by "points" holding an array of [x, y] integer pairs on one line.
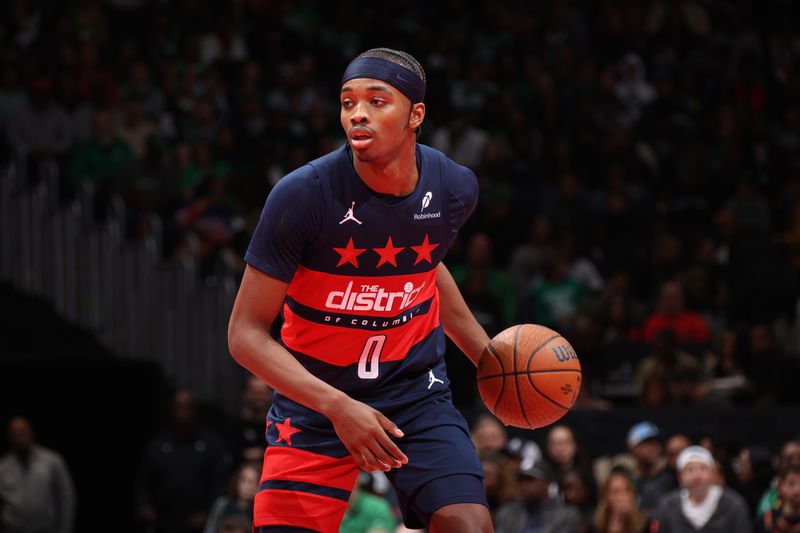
{"points": [[362, 429]]}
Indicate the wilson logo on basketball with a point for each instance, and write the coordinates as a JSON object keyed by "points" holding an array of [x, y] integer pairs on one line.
{"points": [[563, 353]]}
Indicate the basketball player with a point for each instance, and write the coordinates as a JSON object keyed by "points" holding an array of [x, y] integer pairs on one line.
{"points": [[349, 247]]}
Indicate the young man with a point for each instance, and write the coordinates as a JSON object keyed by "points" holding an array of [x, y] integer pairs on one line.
{"points": [[349, 247]]}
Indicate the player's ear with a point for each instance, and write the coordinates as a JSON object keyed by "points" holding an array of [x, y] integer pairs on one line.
{"points": [[417, 115]]}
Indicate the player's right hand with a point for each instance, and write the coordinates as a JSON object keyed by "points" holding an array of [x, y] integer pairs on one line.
{"points": [[363, 431]]}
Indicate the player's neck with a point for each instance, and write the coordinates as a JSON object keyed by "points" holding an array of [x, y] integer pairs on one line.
{"points": [[397, 175]]}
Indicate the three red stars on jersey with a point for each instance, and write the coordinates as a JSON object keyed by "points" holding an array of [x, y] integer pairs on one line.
{"points": [[387, 254]]}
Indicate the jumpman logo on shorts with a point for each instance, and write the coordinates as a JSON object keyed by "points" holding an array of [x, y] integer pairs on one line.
{"points": [[350, 216], [433, 379]]}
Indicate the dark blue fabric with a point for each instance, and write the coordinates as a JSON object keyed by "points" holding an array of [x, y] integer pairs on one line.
{"points": [[300, 486], [438, 447], [403, 79]]}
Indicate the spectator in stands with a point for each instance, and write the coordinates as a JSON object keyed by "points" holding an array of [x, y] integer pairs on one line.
{"points": [[646, 461], [367, 513], [104, 158], [617, 511], [673, 448], [135, 127], [527, 259], [495, 284], [36, 490], [577, 488], [488, 435], [238, 502], [534, 509], [39, 127], [185, 468], [555, 299], [564, 453], [785, 516], [246, 434], [667, 358], [770, 372], [789, 455], [670, 314], [500, 487], [701, 505], [752, 473]]}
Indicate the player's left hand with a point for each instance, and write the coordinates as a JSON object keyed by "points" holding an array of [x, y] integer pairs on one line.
{"points": [[363, 431]]}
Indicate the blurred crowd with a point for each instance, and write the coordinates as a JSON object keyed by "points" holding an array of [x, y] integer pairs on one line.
{"points": [[639, 162], [200, 475], [639, 165]]}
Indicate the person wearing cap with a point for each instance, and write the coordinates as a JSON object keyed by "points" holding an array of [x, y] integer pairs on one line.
{"points": [[700, 505], [652, 478], [534, 510], [349, 250]]}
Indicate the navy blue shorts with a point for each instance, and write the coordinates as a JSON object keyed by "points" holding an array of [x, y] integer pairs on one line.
{"points": [[443, 467], [306, 488]]}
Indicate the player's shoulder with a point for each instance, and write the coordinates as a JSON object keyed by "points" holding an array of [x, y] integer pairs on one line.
{"points": [[311, 177], [449, 167], [459, 181]]}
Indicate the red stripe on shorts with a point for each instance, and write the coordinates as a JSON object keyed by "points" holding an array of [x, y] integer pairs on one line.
{"points": [[298, 509], [293, 464], [275, 507]]}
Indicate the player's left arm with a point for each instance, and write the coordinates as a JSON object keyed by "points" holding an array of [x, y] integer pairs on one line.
{"points": [[458, 321]]}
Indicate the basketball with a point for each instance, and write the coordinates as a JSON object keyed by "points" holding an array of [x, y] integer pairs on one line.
{"points": [[529, 376]]}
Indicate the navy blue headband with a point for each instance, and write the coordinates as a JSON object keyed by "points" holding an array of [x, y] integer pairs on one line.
{"points": [[403, 79]]}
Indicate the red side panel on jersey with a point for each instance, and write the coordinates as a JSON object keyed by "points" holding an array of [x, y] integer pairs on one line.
{"points": [[340, 313]]}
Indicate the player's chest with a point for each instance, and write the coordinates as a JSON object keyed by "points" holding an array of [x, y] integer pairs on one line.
{"points": [[368, 236]]}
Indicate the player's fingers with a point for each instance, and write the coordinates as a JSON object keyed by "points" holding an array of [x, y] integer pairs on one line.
{"points": [[364, 459], [388, 425], [387, 462], [372, 463], [383, 460], [391, 448], [358, 456]]}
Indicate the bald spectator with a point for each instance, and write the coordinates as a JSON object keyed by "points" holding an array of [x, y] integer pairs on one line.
{"points": [[36, 490]]}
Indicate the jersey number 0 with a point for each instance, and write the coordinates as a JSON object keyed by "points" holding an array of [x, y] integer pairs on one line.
{"points": [[368, 362]]}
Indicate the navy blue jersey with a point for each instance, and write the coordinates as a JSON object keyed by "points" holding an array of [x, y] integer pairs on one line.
{"points": [[362, 309]]}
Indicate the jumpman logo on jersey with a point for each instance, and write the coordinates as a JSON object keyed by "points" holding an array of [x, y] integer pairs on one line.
{"points": [[433, 379], [350, 216]]}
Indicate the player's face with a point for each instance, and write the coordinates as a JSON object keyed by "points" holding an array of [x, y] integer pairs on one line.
{"points": [[378, 119]]}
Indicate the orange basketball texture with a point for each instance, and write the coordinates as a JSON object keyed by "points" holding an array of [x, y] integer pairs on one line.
{"points": [[529, 376]]}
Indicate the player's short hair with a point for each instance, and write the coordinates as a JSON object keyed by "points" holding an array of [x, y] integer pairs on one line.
{"points": [[403, 59]]}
